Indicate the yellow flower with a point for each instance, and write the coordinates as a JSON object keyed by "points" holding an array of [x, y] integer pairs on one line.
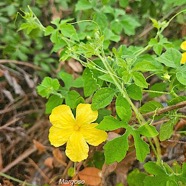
{"points": [[76, 132], [183, 45], [183, 59]]}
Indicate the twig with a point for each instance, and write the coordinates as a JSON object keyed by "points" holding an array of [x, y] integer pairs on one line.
{"points": [[166, 109], [15, 179], [20, 158], [2, 61], [9, 123], [39, 170]]}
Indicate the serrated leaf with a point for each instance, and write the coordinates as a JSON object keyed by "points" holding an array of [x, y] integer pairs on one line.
{"points": [[181, 75], [139, 79], [90, 83], [67, 79], [157, 87], [171, 58], [48, 86], [134, 92], [69, 31], [146, 66], [109, 123], [107, 78], [153, 168], [123, 108], [150, 106], [166, 130], [116, 149], [53, 102], [73, 98], [102, 98], [142, 148], [148, 130]]}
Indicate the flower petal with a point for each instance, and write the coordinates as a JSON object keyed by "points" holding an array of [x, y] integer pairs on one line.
{"points": [[77, 148], [183, 45], [62, 115], [92, 135], [58, 136], [183, 59], [84, 114]]}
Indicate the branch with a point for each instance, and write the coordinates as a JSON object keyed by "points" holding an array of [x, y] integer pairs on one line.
{"points": [[166, 109], [2, 61]]}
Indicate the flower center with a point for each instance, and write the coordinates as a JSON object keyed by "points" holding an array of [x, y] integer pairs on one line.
{"points": [[76, 127]]}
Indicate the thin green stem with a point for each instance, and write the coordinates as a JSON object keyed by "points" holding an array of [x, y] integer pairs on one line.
{"points": [[15, 179], [157, 92], [121, 89], [139, 116]]}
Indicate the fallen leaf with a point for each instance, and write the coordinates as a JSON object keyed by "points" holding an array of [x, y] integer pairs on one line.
{"points": [[40, 147], [76, 66], [49, 162], [59, 157], [91, 176]]}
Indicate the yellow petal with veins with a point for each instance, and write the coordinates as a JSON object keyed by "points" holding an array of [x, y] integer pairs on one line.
{"points": [[92, 135], [58, 136], [62, 115], [85, 115], [77, 148]]}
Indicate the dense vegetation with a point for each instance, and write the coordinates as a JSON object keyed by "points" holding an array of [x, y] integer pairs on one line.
{"points": [[118, 63]]}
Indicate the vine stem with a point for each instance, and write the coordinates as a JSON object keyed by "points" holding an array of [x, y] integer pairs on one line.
{"points": [[139, 116]]}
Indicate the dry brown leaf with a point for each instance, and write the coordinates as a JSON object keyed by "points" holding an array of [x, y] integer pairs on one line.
{"points": [[107, 169], [91, 176], [76, 66], [49, 162], [40, 147], [59, 157], [7, 183]]}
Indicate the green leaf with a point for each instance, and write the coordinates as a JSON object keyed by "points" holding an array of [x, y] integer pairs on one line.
{"points": [[73, 98], [171, 58], [67, 79], [83, 5], [166, 130], [139, 80], [109, 123], [157, 87], [148, 130], [146, 66], [78, 83], [181, 75], [134, 92], [53, 102], [136, 178], [101, 19], [48, 86], [116, 149], [142, 148], [150, 106], [107, 78], [153, 168], [48, 30], [69, 31], [123, 3], [123, 108], [90, 83], [129, 24], [102, 98]]}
